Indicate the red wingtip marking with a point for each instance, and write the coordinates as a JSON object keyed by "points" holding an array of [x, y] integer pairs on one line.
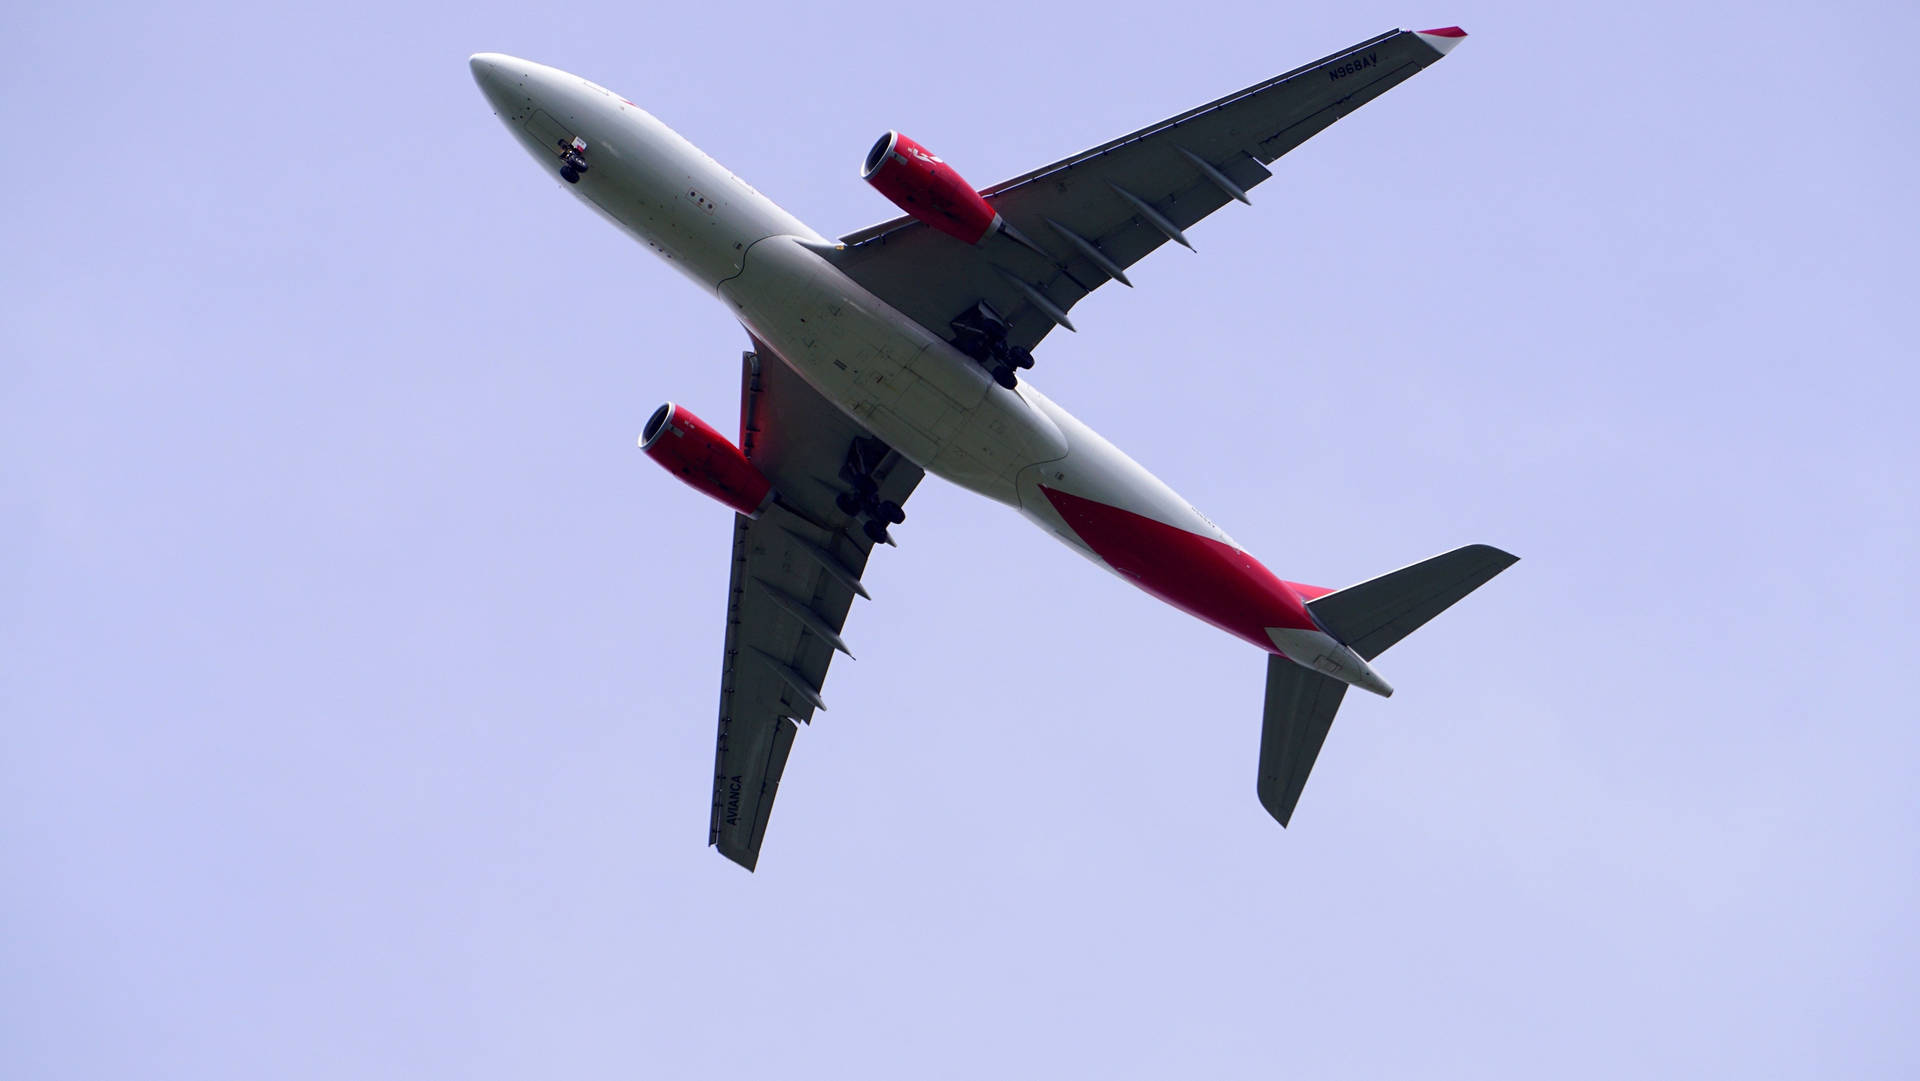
{"points": [[1446, 32]]}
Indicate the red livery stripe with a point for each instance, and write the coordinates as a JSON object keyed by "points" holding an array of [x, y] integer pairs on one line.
{"points": [[1199, 575]]}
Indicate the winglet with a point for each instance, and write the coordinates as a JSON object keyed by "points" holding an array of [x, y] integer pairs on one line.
{"points": [[1443, 39]]}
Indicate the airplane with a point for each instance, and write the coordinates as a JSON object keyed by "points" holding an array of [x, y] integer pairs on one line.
{"points": [[898, 350]]}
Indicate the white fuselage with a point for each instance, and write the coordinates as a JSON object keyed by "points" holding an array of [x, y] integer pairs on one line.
{"points": [[911, 388]]}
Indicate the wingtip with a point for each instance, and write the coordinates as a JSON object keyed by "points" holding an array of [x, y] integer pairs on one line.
{"points": [[1275, 803], [740, 857], [1504, 558], [1442, 39]]}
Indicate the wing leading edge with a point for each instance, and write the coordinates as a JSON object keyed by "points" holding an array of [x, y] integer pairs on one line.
{"points": [[1102, 210], [795, 571]]}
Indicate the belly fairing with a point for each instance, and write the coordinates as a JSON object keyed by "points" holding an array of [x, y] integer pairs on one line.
{"points": [[910, 388]]}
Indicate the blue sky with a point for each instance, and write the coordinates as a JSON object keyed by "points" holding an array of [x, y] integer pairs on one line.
{"points": [[358, 682]]}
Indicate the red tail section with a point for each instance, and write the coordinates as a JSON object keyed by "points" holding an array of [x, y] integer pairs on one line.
{"points": [[1198, 575]]}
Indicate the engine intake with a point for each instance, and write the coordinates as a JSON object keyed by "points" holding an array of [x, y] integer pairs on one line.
{"points": [[923, 185], [690, 449]]}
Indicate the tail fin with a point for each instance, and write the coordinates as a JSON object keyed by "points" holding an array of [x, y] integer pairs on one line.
{"points": [[1368, 618], [1377, 613], [1300, 707]]}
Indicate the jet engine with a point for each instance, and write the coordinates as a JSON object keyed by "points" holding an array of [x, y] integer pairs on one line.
{"points": [[920, 183], [690, 449]]}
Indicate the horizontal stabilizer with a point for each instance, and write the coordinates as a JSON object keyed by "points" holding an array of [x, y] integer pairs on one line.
{"points": [[1375, 614], [1300, 708]]}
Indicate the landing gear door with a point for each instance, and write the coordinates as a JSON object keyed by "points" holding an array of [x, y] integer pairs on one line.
{"points": [[549, 132]]}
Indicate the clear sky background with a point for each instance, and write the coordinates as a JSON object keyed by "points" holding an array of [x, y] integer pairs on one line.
{"points": [[358, 676]]}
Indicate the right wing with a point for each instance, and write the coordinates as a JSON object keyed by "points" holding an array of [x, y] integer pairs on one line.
{"points": [[796, 569], [1095, 212]]}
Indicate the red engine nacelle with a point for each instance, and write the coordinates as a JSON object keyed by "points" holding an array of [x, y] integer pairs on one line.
{"points": [[690, 449], [926, 187]]}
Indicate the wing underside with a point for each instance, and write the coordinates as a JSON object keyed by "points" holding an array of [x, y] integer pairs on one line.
{"points": [[795, 572], [1100, 211]]}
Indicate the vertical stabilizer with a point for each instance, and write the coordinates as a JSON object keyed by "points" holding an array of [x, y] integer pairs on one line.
{"points": [[1300, 708], [1366, 619]]}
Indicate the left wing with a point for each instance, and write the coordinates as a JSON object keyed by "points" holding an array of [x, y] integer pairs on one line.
{"points": [[796, 569], [1100, 211]]}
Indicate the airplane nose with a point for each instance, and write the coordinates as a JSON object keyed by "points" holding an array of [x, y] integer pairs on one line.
{"points": [[502, 80], [486, 69]]}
